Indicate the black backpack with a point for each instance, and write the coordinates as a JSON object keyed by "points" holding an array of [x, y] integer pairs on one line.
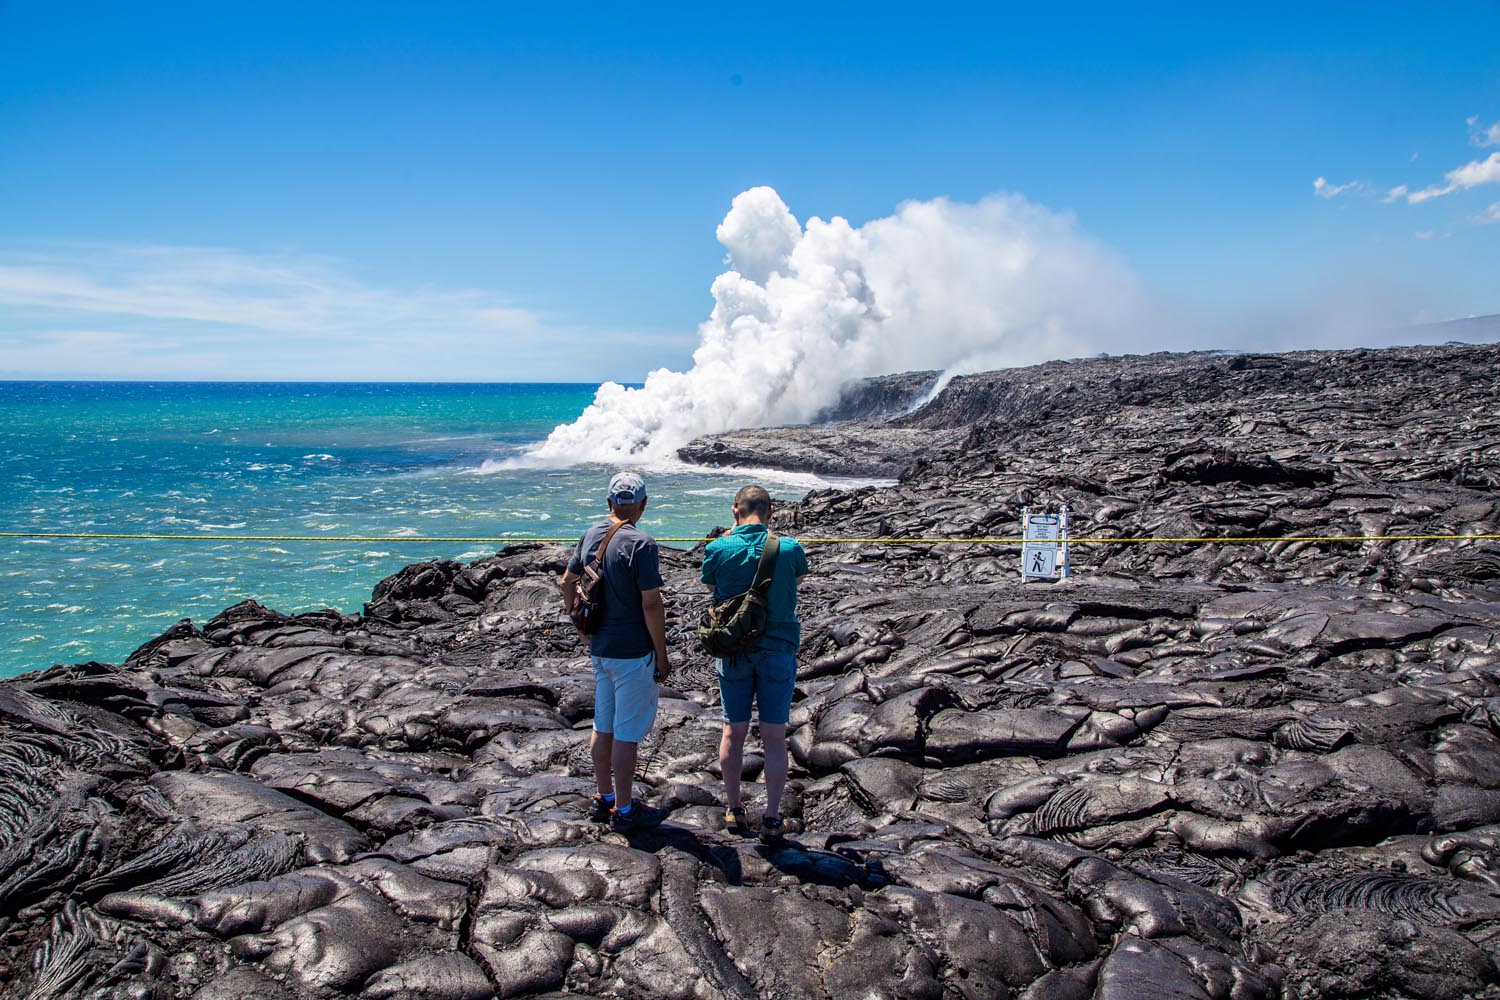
{"points": [[734, 625], [587, 610]]}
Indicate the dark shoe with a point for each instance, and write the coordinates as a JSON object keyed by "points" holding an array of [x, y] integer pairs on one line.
{"points": [[599, 810], [772, 830], [640, 817], [735, 819]]}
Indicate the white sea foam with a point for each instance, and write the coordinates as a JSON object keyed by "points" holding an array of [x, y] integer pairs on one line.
{"points": [[804, 311]]}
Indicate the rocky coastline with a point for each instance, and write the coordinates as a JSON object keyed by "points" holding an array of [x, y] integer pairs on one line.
{"points": [[1243, 770]]}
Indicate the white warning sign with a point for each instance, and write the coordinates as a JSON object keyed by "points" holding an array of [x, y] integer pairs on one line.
{"points": [[1044, 550]]}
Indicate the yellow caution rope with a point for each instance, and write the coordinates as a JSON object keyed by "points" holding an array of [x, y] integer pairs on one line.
{"points": [[383, 540]]}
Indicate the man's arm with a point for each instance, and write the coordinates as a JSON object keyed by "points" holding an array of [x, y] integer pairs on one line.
{"points": [[654, 610]]}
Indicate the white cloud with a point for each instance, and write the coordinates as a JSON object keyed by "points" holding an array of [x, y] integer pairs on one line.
{"points": [[1323, 189], [1489, 216], [192, 312], [1483, 135], [1424, 234], [1395, 194], [1470, 175], [938, 284]]}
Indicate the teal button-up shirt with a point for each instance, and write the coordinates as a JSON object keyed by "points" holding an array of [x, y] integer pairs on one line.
{"points": [[729, 564]]}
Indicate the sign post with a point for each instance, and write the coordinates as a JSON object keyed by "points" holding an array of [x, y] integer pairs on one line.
{"points": [[1044, 551]]}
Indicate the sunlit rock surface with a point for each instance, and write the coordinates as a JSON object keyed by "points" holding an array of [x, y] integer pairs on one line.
{"points": [[1227, 771]]}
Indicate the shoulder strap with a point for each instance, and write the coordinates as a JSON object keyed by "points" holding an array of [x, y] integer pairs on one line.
{"points": [[766, 568], [599, 552]]}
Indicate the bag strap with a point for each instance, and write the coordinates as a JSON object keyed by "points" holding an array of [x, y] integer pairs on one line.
{"points": [[598, 555], [766, 568]]}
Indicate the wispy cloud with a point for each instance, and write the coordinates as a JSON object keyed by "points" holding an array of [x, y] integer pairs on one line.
{"points": [[1483, 135], [281, 293], [162, 311], [1323, 189], [1470, 175], [1488, 217], [1473, 174]]}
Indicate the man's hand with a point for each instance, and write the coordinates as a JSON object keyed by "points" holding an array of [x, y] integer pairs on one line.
{"points": [[655, 612]]}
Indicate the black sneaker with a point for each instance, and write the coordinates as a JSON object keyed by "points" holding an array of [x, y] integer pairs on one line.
{"points": [[599, 810], [772, 830], [640, 817], [735, 819]]}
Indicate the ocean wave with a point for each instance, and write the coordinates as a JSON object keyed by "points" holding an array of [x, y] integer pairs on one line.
{"points": [[319, 457], [440, 438]]}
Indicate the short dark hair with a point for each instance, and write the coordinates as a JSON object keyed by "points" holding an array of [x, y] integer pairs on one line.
{"points": [[753, 500], [628, 510]]}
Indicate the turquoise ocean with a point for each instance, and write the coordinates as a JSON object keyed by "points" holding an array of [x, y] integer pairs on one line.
{"points": [[381, 461]]}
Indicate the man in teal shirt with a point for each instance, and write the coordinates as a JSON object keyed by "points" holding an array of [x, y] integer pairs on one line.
{"points": [[767, 672]]}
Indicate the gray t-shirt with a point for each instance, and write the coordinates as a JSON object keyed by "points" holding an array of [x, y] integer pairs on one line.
{"points": [[630, 566]]}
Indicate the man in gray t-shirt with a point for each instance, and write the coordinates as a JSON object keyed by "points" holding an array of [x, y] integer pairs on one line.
{"points": [[629, 651]]}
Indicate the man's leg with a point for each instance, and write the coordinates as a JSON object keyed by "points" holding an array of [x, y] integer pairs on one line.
{"points": [[776, 681], [773, 739], [623, 759], [635, 711], [737, 695], [601, 746], [602, 741], [732, 760]]}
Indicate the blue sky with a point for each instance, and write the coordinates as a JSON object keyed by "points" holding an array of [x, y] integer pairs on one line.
{"points": [[485, 192]]}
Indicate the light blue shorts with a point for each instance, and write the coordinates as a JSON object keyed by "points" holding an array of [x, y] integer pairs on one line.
{"points": [[761, 675], [625, 696]]}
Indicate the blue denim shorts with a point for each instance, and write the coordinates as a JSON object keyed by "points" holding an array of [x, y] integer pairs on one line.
{"points": [[761, 675], [625, 696]]}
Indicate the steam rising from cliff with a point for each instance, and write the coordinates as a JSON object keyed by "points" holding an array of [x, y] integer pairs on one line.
{"points": [[804, 311]]}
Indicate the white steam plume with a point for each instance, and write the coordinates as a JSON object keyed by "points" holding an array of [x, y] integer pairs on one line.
{"points": [[804, 312]]}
